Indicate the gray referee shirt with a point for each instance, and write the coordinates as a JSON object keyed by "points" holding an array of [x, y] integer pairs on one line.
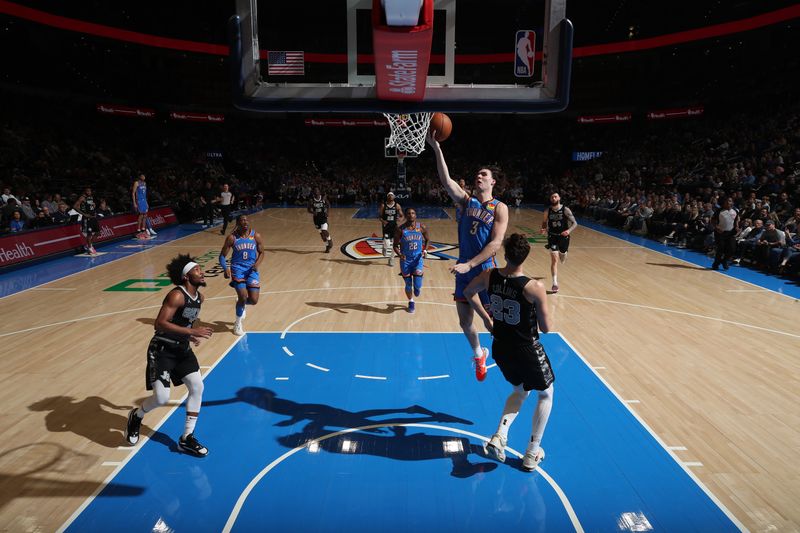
{"points": [[226, 197]]}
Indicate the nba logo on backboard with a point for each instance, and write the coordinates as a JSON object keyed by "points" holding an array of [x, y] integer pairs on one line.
{"points": [[523, 59]]}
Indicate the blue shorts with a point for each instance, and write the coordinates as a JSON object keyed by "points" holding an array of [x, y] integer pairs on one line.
{"points": [[412, 267], [462, 280], [242, 277], [142, 207]]}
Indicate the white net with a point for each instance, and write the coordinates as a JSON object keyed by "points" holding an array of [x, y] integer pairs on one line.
{"points": [[408, 131]]}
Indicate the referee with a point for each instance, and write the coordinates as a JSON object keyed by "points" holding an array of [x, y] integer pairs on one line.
{"points": [[726, 224]]}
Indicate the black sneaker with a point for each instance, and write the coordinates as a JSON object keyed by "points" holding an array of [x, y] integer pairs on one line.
{"points": [[190, 445], [328, 247], [134, 425]]}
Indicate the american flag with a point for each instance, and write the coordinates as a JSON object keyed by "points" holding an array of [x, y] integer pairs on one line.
{"points": [[285, 63]]}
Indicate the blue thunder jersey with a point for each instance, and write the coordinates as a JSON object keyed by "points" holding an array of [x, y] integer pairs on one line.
{"points": [[412, 241], [475, 228], [245, 250], [141, 193]]}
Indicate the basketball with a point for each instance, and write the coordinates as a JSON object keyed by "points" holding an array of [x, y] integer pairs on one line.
{"points": [[441, 126]]}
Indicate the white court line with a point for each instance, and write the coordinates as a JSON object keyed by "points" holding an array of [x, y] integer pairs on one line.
{"points": [[677, 448], [644, 424], [289, 353], [135, 450], [632, 401], [312, 365], [434, 377], [748, 290], [111, 463], [491, 366], [692, 463], [125, 225], [684, 313], [281, 379], [599, 367], [250, 486], [127, 448], [381, 378]]}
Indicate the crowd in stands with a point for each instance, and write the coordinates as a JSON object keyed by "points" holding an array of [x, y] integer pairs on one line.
{"points": [[660, 180], [669, 184]]}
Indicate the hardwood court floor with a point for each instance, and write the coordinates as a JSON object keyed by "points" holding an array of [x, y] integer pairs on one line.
{"points": [[712, 369]]}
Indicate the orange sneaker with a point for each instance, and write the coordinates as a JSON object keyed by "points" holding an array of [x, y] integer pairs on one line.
{"points": [[480, 365]]}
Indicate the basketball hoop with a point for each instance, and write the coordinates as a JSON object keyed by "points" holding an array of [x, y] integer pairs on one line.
{"points": [[408, 131]]}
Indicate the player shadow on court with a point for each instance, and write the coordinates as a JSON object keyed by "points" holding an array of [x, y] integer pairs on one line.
{"points": [[290, 251], [677, 265], [354, 261], [344, 307], [24, 470], [218, 326], [390, 440], [86, 418]]}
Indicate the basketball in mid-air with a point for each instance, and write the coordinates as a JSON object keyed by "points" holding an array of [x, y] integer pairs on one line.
{"points": [[441, 126]]}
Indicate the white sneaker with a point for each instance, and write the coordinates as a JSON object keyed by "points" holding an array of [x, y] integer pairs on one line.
{"points": [[238, 329], [532, 460], [391, 260], [151, 232], [496, 447]]}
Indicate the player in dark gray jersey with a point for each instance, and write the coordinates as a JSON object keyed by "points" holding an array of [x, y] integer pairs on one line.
{"points": [[86, 206], [170, 357], [558, 223], [318, 206], [517, 312], [390, 212]]}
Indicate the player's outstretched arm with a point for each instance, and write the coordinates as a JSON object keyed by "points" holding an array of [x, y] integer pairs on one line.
{"points": [[545, 215], [260, 249], [398, 234], [537, 295], [453, 189], [571, 222], [478, 284], [426, 239], [223, 254]]}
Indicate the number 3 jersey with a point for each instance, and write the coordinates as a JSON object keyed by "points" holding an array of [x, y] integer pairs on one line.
{"points": [[513, 315], [475, 229]]}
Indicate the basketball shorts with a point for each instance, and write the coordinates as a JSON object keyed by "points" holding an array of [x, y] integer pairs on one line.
{"points": [[321, 223], [141, 207], [89, 225], [169, 360], [462, 280], [557, 243], [389, 230], [526, 365], [412, 267], [242, 277]]}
